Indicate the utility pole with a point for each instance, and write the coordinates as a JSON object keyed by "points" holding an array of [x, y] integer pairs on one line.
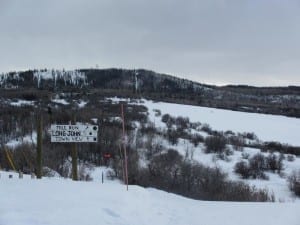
{"points": [[39, 146], [74, 156]]}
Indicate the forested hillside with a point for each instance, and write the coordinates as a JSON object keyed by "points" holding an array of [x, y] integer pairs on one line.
{"points": [[148, 84]]}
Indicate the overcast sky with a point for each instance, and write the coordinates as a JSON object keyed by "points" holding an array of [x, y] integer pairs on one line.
{"points": [[254, 42]]}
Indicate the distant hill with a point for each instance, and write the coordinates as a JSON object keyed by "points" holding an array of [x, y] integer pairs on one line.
{"points": [[152, 85]]}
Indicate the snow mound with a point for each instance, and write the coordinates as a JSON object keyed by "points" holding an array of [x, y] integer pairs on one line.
{"points": [[62, 201]]}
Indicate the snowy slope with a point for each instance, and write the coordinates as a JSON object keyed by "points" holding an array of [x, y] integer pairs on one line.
{"points": [[266, 127], [60, 202]]}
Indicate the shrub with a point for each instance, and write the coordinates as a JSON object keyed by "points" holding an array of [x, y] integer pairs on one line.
{"points": [[215, 144], [254, 169], [245, 155], [196, 139], [195, 126], [243, 169], [239, 191], [237, 142], [206, 128], [294, 182], [134, 170], [148, 128], [171, 172], [250, 136], [207, 183], [292, 150], [165, 118], [168, 120], [258, 164], [229, 132], [157, 112], [274, 163], [282, 148], [164, 169], [182, 122], [172, 136], [273, 146], [224, 155], [290, 158]]}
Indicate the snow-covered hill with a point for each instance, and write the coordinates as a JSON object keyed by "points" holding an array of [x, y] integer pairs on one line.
{"points": [[59, 201], [270, 100], [266, 127], [62, 201]]}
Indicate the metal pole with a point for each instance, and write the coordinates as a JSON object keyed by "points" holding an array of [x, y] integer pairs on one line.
{"points": [[124, 145]]}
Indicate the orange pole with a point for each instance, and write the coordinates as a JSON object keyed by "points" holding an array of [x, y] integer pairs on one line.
{"points": [[124, 145], [122, 163]]}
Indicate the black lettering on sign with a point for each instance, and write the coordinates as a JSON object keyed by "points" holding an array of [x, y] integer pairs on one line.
{"points": [[73, 133], [71, 127], [77, 139], [58, 133], [61, 139], [58, 127]]}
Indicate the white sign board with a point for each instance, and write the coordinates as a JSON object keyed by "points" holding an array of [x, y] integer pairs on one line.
{"points": [[74, 133]]}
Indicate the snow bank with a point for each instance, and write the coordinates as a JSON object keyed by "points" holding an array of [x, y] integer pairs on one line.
{"points": [[57, 201]]}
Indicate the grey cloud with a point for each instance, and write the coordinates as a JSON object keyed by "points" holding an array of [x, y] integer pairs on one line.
{"points": [[216, 41]]}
